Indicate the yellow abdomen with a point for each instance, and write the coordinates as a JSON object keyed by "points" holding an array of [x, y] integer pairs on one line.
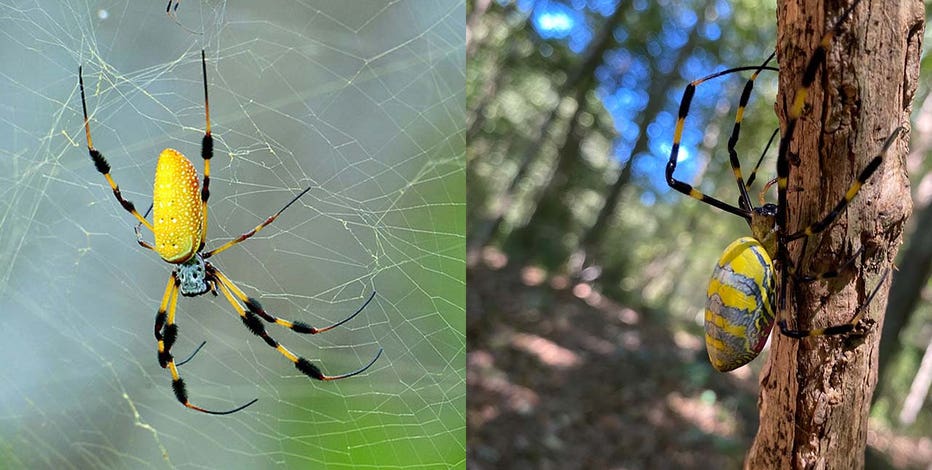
{"points": [[740, 304], [176, 208]]}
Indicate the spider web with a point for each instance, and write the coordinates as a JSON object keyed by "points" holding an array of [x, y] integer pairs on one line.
{"points": [[361, 101]]}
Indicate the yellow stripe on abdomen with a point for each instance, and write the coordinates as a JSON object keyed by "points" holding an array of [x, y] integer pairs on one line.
{"points": [[739, 310]]}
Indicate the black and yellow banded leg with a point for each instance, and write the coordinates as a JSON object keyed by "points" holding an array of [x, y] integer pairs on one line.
{"points": [[685, 102], [253, 305], [836, 329], [254, 324], [865, 174], [793, 115], [744, 200], [256, 230], [101, 163], [207, 152], [166, 332], [796, 110], [166, 335]]}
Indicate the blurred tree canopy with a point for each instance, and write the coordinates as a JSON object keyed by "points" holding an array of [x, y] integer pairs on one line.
{"points": [[571, 109]]}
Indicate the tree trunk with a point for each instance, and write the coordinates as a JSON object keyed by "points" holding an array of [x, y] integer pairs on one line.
{"points": [[816, 392], [542, 237], [472, 19], [493, 82]]}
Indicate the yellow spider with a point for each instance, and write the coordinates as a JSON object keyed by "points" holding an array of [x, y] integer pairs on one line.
{"points": [[741, 301], [179, 224]]}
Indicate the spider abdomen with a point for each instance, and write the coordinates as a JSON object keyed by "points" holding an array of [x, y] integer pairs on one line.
{"points": [[176, 208], [740, 304]]}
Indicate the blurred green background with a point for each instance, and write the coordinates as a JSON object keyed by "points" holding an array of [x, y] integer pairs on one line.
{"points": [[587, 275], [364, 103]]}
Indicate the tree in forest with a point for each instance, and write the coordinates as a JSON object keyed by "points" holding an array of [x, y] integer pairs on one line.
{"points": [[579, 82], [816, 392], [579, 247]]}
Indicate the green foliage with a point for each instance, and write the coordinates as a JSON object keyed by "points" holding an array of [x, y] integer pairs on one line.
{"points": [[546, 184]]}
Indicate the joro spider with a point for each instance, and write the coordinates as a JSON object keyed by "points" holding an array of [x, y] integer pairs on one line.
{"points": [[179, 224], [741, 299]]}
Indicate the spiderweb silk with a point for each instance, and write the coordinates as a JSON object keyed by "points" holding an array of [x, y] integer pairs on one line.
{"points": [[361, 101]]}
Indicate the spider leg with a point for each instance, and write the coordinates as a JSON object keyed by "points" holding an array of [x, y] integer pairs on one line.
{"points": [[173, 14], [796, 270], [836, 329], [757, 166], [796, 109], [207, 152], [794, 112], [101, 163], [824, 223], [259, 227], [744, 200], [783, 171], [166, 332], [254, 324], [191, 356], [139, 239], [866, 173], [253, 305], [685, 102]]}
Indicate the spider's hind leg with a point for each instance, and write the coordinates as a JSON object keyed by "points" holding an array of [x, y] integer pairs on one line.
{"points": [[253, 305], [852, 325], [797, 270], [166, 332], [253, 323]]}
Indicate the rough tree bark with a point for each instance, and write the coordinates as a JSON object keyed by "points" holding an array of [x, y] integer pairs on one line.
{"points": [[816, 392]]}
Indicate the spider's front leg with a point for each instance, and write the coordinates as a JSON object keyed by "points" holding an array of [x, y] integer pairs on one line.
{"points": [[103, 167]]}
